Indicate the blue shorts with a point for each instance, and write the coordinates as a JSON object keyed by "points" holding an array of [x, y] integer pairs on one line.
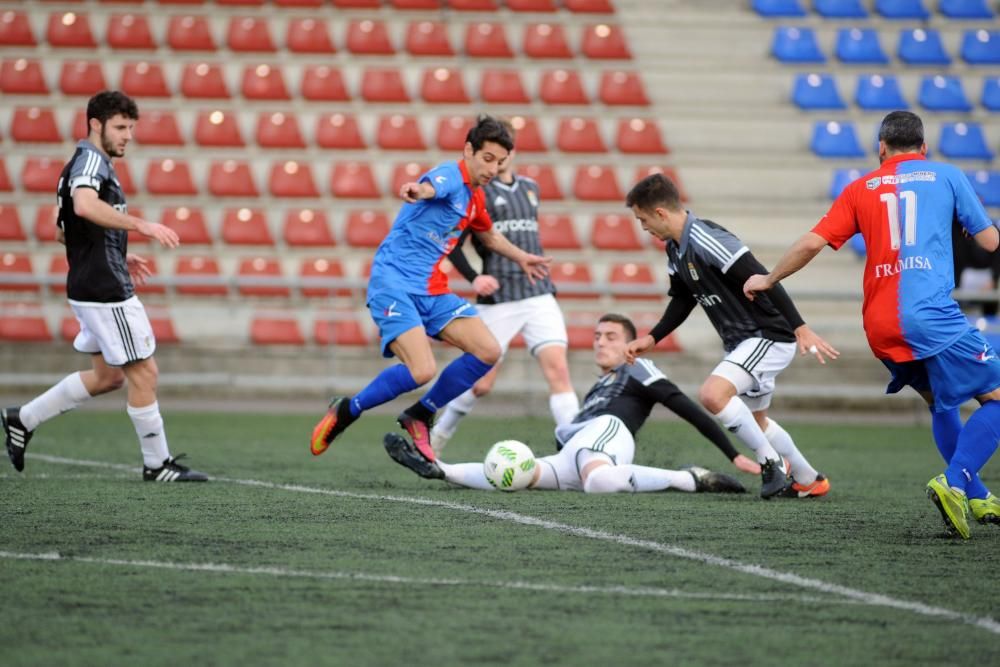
{"points": [[967, 368], [396, 312]]}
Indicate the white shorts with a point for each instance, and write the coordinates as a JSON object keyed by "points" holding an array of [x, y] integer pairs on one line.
{"points": [[121, 332], [537, 318], [604, 437], [752, 368]]}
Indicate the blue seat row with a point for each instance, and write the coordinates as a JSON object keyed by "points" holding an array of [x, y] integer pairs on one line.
{"points": [[986, 183], [958, 141], [875, 92], [917, 46], [890, 9]]}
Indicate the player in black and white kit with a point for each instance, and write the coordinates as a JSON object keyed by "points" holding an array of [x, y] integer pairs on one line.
{"points": [[114, 329], [509, 302], [707, 266], [597, 447]]}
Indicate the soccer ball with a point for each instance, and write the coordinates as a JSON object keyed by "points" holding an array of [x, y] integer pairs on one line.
{"points": [[509, 465]]}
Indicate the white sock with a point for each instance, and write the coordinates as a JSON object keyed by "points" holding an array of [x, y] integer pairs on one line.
{"points": [[646, 479], [564, 407], [784, 445], [152, 438], [447, 421], [738, 419], [469, 475], [62, 397], [609, 479]]}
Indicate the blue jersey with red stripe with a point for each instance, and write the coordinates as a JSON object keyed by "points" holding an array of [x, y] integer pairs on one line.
{"points": [[904, 209], [410, 257]]}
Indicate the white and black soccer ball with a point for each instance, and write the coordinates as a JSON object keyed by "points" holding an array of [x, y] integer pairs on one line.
{"points": [[509, 465]]}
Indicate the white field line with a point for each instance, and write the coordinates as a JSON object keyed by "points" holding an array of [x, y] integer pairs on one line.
{"points": [[872, 599]]}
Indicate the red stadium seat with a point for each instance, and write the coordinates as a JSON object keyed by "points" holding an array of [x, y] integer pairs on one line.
{"points": [[529, 136], [199, 276], [589, 6], [169, 177], [69, 30], [428, 38], [443, 85], [562, 86], [596, 183], [307, 227], [124, 173], [366, 229], [531, 5], [367, 37], [323, 84], [22, 77], [163, 329], [203, 80], [279, 130], [646, 320], [15, 29], [248, 3], [604, 42], [406, 172], [16, 273], [344, 330], [155, 283], [298, 3], [181, 2], [10, 224], [41, 174], [249, 34], [571, 279], [45, 224], [636, 135], [292, 178], [34, 125], [669, 172], [357, 4], [217, 128], [338, 130], [415, 4], [579, 135], [627, 280], [383, 85], [23, 323], [353, 180], [263, 82], [5, 184], [158, 128], [619, 88], [189, 223], [245, 226], [58, 270], [487, 40], [144, 79], [556, 232], [502, 86], [452, 132], [545, 175], [614, 232], [231, 178], [313, 270], [260, 276], [190, 33], [134, 237], [308, 35], [79, 129], [473, 5], [129, 31], [276, 331], [82, 78], [545, 40], [399, 133]]}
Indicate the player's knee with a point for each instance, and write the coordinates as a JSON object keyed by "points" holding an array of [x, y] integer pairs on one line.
{"points": [[712, 400], [489, 354], [607, 479], [109, 380], [482, 388], [423, 373]]}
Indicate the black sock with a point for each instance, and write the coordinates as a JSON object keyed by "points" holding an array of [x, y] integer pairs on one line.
{"points": [[420, 411], [344, 415]]}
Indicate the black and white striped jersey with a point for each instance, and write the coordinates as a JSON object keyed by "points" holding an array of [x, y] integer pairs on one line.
{"points": [[699, 267], [629, 392], [97, 269]]}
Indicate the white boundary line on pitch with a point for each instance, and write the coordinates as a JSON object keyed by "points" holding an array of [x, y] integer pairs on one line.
{"points": [[864, 597]]}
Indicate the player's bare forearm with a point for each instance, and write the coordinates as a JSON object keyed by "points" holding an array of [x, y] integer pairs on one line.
{"points": [[87, 204], [988, 239], [800, 254], [414, 192]]}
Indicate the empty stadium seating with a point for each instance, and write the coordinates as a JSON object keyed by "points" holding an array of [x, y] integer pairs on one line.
{"points": [[188, 222], [246, 226], [307, 227], [292, 178]]}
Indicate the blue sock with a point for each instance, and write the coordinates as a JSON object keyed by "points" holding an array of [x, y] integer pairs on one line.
{"points": [[387, 385], [459, 376], [946, 427], [976, 445]]}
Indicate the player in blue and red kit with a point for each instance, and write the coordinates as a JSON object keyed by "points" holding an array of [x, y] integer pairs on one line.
{"points": [[904, 210], [408, 293]]}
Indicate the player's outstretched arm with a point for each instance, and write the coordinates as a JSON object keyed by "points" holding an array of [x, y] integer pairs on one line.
{"points": [[812, 343], [414, 192], [138, 268], [988, 239], [87, 204], [535, 266], [639, 347], [800, 254]]}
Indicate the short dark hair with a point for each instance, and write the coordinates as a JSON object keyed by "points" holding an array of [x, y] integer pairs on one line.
{"points": [[488, 128], [627, 325], [108, 103], [509, 126], [902, 130], [654, 191]]}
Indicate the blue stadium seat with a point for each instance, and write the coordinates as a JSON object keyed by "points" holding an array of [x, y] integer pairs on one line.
{"points": [[943, 93], [981, 47], [840, 9], [991, 93], [776, 8], [833, 139], [921, 46], [816, 91], [965, 9], [964, 141], [796, 45], [987, 186], [901, 9], [841, 179], [860, 45], [879, 92]]}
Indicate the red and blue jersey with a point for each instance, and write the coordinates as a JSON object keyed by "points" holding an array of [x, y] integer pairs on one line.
{"points": [[410, 257], [904, 210]]}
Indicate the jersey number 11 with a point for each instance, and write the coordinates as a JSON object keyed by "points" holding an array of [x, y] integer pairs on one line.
{"points": [[909, 198]]}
